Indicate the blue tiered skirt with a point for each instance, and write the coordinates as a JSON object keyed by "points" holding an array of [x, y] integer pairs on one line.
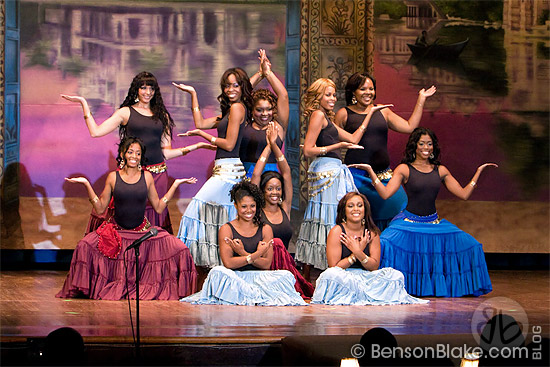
{"points": [[210, 209], [224, 286], [328, 181], [355, 286], [382, 210], [436, 257], [249, 168]]}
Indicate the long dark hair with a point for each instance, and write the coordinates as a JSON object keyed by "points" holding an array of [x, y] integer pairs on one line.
{"points": [[246, 91], [341, 211], [246, 188], [268, 175], [125, 145], [157, 104], [355, 82], [410, 150]]}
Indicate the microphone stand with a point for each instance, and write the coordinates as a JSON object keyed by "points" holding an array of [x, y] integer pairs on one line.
{"points": [[138, 351]]}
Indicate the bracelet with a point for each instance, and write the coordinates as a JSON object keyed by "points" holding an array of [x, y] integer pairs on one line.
{"points": [[87, 116], [183, 152], [195, 109], [94, 200], [473, 183], [164, 200], [191, 147], [267, 73], [323, 151], [363, 127], [365, 260], [351, 259], [249, 259], [213, 140], [260, 74], [376, 182], [262, 159], [281, 158]]}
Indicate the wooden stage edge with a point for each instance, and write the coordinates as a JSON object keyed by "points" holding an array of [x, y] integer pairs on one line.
{"points": [[29, 309]]}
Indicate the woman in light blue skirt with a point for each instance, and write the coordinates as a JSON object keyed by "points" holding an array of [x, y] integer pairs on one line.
{"points": [[211, 206], [246, 250], [328, 179], [353, 254]]}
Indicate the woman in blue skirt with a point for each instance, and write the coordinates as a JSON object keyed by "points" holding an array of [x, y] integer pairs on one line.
{"points": [[246, 251], [436, 257], [210, 208], [360, 96], [328, 179], [353, 254], [266, 107]]}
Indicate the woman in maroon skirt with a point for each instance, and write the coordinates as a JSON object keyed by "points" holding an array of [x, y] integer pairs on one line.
{"points": [[277, 190], [143, 115], [101, 268]]}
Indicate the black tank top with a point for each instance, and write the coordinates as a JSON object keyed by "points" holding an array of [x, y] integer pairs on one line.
{"points": [[346, 252], [250, 245], [282, 230], [254, 143], [328, 136], [422, 189], [130, 200], [149, 131], [374, 140], [222, 133]]}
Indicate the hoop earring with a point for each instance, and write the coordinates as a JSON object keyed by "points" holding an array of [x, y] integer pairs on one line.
{"points": [[344, 220], [414, 155], [432, 156], [136, 100], [353, 100], [363, 221]]}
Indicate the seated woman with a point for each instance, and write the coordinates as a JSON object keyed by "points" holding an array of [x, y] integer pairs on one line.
{"points": [[101, 268], [353, 254], [246, 252], [277, 191], [436, 257]]}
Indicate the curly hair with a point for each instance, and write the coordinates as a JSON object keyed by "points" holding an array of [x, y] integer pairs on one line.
{"points": [[125, 144], [246, 91], [314, 94], [410, 150], [268, 175], [355, 82], [246, 188], [341, 211], [157, 104], [265, 94]]}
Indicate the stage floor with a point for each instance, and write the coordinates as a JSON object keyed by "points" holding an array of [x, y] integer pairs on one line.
{"points": [[29, 309]]}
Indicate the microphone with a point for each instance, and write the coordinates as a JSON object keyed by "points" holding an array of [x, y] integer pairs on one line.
{"points": [[152, 233]]}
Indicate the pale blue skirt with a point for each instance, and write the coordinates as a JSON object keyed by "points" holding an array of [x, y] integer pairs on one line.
{"points": [[356, 286], [210, 209], [328, 181], [224, 286]]}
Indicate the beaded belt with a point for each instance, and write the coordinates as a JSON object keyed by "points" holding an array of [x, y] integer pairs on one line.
{"points": [[385, 174], [156, 168], [314, 190], [232, 172], [428, 219]]}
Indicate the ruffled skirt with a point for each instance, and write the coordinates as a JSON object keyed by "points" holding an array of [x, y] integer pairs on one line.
{"points": [[328, 181], [354, 286], [166, 269], [436, 259], [382, 210], [282, 260], [210, 209], [156, 219], [224, 286]]}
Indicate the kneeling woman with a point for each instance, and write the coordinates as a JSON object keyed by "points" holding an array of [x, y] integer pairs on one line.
{"points": [[353, 254], [246, 252], [98, 265]]}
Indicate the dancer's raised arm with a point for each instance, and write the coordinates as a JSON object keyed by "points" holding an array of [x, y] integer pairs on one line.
{"points": [[455, 188]]}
